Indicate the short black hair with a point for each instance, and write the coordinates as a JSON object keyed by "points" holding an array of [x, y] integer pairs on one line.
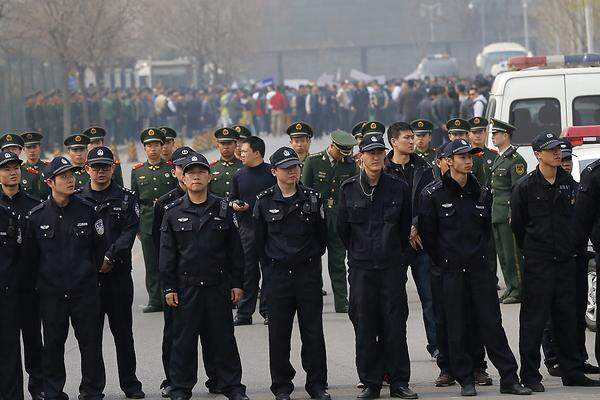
{"points": [[256, 144], [394, 130]]}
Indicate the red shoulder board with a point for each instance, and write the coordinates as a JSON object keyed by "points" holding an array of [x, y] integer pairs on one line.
{"points": [[493, 150], [138, 165], [117, 162], [169, 162], [32, 170], [213, 163]]}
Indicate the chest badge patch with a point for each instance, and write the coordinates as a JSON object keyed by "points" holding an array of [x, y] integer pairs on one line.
{"points": [[99, 225], [446, 205], [273, 211], [183, 219], [44, 227]]}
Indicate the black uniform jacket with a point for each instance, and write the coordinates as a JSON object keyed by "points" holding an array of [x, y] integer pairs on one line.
{"points": [[587, 207], [159, 212], [10, 240], [375, 229], [199, 245]]}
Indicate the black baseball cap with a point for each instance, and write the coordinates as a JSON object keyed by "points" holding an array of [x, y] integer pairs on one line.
{"points": [[461, 146], [100, 155], [57, 166], [195, 159], [284, 157], [545, 141], [8, 157], [372, 141], [180, 154]]}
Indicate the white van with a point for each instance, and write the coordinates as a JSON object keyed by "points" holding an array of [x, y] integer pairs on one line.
{"points": [[495, 53], [545, 99]]}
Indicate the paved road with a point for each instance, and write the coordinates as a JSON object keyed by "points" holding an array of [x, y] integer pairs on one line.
{"points": [[253, 346]]}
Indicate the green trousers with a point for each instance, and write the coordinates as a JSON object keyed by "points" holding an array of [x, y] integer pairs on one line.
{"points": [[510, 258], [151, 262], [336, 262]]}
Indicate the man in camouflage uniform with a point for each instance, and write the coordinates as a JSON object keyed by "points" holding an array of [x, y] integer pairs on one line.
{"points": [[97, 135], [32, 180], [77, 152], [422, 129], [482, 163], [300, 139], [169, 146], [150, 180], [507, 169], [325, 172], [222, 170]]}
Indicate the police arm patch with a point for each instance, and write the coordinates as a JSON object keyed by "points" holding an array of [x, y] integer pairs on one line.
{"points": [[99, 225]]}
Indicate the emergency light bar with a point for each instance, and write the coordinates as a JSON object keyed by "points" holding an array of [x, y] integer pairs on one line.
{"points": [[579, 135], [575, 60]]}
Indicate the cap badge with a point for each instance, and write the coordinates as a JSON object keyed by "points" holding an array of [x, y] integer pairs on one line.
{"points": [[93, 131], [420, 124], [286, 153], [78, 138], [9, 137], [100, 152], [7, 155], [163, 130], [373, 139], [62, 160], [238, 129], [373, 125], [194, 158], [225, 132], [457, 123], [184, 151], [549, 135], [151, 132], [476, 120], [298, 127], [29, 136], [463, 142]]}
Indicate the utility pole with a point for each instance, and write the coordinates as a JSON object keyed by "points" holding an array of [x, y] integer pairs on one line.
{"points": [[589, 26], [430, 9], [525, 24]]}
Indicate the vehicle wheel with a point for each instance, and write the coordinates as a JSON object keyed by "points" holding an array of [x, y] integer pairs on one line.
{"points": [[590, 312]]}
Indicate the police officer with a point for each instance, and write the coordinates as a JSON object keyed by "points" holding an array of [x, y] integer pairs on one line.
{"points": [[11, 375], [201, 266], [65, 248], [454, 224], [325, 172], [422, 129], [77, 151], [225, 167], [300, 136], [169, 146], [508, 167], [32, 180], [402, 162], [119, 209], [97, 135], [374, 224], [150, 180], [541, 219], [16, 200], [243, 134], [291, 233]]}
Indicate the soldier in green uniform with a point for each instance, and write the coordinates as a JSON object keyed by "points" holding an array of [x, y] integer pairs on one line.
{"points": [[169, 146], [222, 170], [459, 128], [243, 133], [300, 136], [357, 133], [77, 151], [507, 169], [482, 163], [150, 180], [32, 180], [422, 129], [325, 172], [96, 135]]}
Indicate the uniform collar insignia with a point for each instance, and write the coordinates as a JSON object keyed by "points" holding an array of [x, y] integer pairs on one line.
{"points": [[183, 219], [447, 205], [273, 211]]}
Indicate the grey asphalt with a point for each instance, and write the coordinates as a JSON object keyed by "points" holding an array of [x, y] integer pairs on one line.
{"points": [[253, 347]]}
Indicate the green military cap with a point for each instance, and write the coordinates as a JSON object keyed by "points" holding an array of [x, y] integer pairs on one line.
{"points": [[242, 131], [421, 126], [226, 135], [95, 133], [344, 141], [10, 140], [150, 135], [76, 141], [170, 133], [372, 127], [31, 138], [478, 123], [356, 129], [299, 129], [458, 125], [501, 126]]}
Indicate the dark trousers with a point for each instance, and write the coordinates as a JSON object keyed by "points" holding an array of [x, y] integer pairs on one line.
{"points": [[116, 295], [31, 329], [203, 311], [378, 311], [11, 375], [297, 289], [150, 253], [548, 292], [420, 265], [252, 274], [208, 353], [85, 316], [471, 306]]}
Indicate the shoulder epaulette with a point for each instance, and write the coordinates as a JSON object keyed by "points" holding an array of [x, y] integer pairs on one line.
{"points": [[593, 165], [117, 162], [173, 204], [493, 150], [510, 152], [169, 163], [138, 165], [37, 208], [265, 192], [124, 189], [32, 170], [315, 155], [214, 163], [349, 180], [78, 190], [433, 186]]}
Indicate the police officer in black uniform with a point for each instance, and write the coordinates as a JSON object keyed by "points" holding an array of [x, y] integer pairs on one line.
{"points": [[65, 247], [455, 226], [119, 209], [374, 225], [20, 202], [11, 375], [291, 234], [201, 265], [542, 215]]}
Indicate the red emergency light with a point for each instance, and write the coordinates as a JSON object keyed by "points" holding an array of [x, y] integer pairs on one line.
{"points": [[575, 60], [579, 135]]}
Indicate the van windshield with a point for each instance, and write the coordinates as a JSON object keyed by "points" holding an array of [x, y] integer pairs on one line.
{"points": [[534, 116]]}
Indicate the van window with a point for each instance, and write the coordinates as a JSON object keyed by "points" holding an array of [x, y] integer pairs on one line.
{"points": [[586, 110], [491, 108], [534, 116]]}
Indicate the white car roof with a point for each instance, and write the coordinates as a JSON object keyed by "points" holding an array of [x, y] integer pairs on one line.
{"points": [[503, 46], [501, 79]]}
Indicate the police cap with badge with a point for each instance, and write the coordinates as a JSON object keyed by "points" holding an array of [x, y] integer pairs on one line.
{"points": [[180, 154], [284, 157], [31, 138], [298, 129], [7, 157], [77, 141], [343, 141], [151, 135], [11, 140], [458, 125], [95, 133], [478, 123], [224, 135], [421, 127], [195, 159], [59, 165], [242, 131], [460, 146], [545, 141], [501, 126], [100, 155], [372, 141], [170, 133]]}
